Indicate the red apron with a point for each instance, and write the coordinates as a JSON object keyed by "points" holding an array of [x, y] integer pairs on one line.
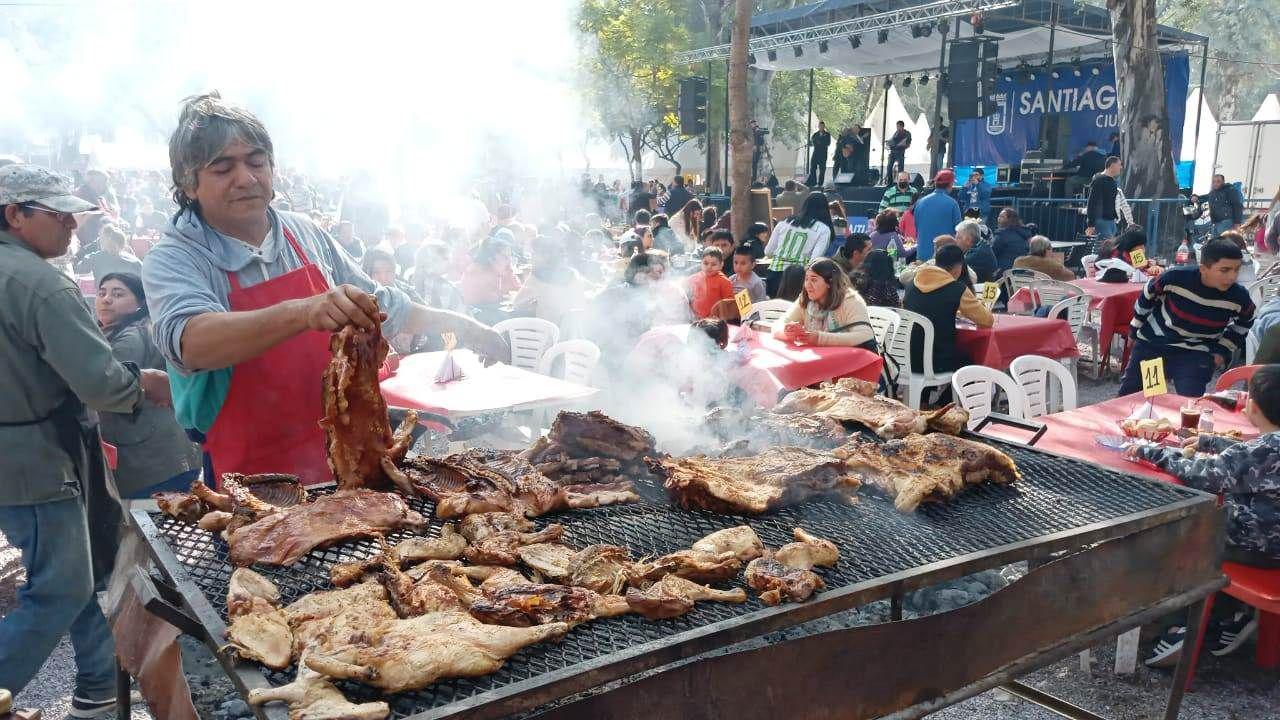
{"points": [[270, 419]]}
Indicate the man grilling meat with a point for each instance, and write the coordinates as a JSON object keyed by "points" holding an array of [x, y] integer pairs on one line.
{"points": [[243, 299]]}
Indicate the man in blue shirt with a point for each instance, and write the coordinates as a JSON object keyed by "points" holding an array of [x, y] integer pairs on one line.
{"points": [[977, 194], [936, 214]]}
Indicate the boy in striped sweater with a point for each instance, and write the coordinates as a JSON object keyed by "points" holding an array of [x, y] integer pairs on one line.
{"points": [[1195, 317]]}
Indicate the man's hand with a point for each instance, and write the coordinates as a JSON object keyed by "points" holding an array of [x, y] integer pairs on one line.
{"points": [[341, 306], [490, 346], [1091, 231], [155, 387]]}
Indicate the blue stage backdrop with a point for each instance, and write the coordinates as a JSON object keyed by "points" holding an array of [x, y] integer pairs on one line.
{"points": [[1089, 101]]}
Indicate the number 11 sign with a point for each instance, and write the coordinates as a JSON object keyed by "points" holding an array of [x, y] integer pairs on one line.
{"points": [[1153, 377]]}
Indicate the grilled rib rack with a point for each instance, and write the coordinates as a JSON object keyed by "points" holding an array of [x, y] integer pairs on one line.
{"points": [[1059, 504]]}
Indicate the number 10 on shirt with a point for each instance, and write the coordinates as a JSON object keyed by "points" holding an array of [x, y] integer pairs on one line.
{"points": [[1153, 377]]}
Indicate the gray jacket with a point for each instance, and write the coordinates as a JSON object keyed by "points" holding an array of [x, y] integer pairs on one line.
{"points": [[150, 446], [51, 353], [185, 275]]}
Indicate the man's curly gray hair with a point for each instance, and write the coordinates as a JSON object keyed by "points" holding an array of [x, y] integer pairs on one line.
{"points": [[205, 126]]}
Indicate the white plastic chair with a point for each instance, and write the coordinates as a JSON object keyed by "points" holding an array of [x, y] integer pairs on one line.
{"points": [[975, 388], [529, 338], [770, 310], [1088, 262], [1075, 310], [1036, 374], [883, 320], [1267, 288], [897, 352], [1014, 279], [1051, 292], [580, 359]]}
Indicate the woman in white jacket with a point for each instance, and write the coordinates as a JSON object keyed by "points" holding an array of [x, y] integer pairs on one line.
{"points": [[828, 312]]}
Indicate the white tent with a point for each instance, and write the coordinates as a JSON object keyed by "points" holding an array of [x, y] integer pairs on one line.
{"points": [[1201, 152], [1269, 109], [919, 151], [877, 121]]}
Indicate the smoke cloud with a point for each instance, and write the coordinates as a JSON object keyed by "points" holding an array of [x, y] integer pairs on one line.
{"points": [[417, 95]]}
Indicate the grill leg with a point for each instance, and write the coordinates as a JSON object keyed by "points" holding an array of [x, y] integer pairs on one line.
{"points": [[895, 606], [1049, 702], [124, 709], [1186, 664]]}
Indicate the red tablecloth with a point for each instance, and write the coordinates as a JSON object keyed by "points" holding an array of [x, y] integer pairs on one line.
{"points": [[481, 390], [1013, 336], [1114, 302], [772, 366], [1073, 433]]}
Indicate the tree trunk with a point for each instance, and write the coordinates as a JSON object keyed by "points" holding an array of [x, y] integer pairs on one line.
{"points": [[637, 155], [739, 133], [1146, 144]]}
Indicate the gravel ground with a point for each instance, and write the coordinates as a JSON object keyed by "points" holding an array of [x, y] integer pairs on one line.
{"points": [[1226, 688]]}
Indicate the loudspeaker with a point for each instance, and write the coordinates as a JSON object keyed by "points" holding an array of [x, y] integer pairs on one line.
{"points": [[971, 76]]}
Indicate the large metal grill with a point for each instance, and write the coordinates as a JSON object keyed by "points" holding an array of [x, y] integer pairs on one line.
{"points": [[1055, 495]]}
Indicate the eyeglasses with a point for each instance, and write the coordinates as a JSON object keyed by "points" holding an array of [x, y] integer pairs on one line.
{"points": [[61, 216]]}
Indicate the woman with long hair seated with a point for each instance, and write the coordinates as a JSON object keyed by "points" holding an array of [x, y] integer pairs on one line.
{"points": [[152, 451], [489, 278], [876, 281], [687, 224], [828, 312], [799, 239]]}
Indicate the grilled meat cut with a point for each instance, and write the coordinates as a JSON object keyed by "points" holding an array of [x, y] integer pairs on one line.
{"points": [[703, 567], [410, 551], [411, 654], [338, 617], [520, 603], [284, 536], [256, 628], [550, 560], [774, 478], [807, 551], [926, 467], [494, 537], [777, 582], [605, 569], [596, 434], [821, 412], [476, 481], [312, 697], [361, 444], [183, 507], [742, 541], [673, 595]]}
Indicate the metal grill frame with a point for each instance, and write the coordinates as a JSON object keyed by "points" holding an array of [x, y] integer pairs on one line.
{"points": [[536, 691]]}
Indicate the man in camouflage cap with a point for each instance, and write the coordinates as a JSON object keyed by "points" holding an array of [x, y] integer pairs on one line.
{"points": [[55, 502]]}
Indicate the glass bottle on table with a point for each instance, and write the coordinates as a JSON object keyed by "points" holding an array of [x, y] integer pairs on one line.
{"points": [[1206, 420]]}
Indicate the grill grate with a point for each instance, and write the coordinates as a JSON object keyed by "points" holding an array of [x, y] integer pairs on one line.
{"points": [[875, 540]]}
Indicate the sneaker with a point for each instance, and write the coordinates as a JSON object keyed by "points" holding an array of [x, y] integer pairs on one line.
{"points": [[1168, 648], [1232, 633], [82, 708]]}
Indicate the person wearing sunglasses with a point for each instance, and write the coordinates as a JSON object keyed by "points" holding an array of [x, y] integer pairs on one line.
{"points": [[56, 500]]}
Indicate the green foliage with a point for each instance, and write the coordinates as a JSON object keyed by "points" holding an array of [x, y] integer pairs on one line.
{"points": [[837, 100]]}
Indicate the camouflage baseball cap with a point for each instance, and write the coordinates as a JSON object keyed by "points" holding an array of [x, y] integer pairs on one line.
{"points": [[23, 183]]}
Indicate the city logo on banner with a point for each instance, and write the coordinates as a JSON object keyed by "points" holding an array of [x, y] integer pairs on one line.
{"points": [[998, 120]]}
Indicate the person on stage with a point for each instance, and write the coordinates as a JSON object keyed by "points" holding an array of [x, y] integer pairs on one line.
{"points": [[244, 299], [820, 141], [898, 144]]}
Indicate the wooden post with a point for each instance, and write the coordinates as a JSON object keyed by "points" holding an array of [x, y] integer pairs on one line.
{"points": [[739, 133]]}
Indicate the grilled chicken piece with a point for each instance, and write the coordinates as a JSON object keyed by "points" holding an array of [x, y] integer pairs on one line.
{"points": [[410, 551], [410, 597], [331, 618], [520, 603], [551, 560], [673, 596], [494, 537], [693, 565], [742, 541], [807, 551], [411, 654], [950, 419], [355, 421], [777, 582], [284, 536], [926, 467], [597, 434], [606, 569], [212, 498], [312, 697], [184, 507], [478, 526], [257, 629], [777, 477]]}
